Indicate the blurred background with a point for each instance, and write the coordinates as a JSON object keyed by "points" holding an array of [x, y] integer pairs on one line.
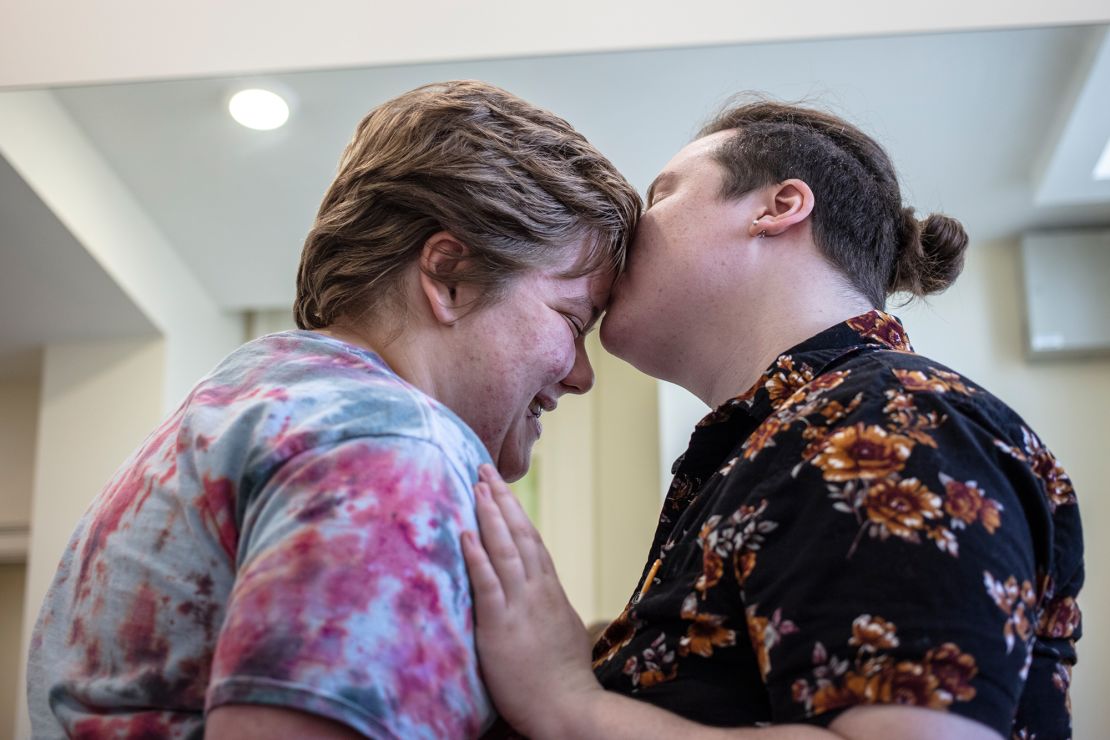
{"points": [[145, 233]]}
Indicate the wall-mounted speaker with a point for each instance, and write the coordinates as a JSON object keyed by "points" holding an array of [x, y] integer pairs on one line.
{"points": [[1066, 277]]}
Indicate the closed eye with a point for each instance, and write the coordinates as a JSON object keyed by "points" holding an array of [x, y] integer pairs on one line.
{"points": [[575, 324]]}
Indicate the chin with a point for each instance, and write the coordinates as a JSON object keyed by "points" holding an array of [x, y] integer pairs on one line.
{"points": [[511, 474], [610, 336], [513, 467]]}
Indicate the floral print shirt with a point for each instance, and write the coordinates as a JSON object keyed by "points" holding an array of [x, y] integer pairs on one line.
{"points": [[863, 526], [289, 537]]}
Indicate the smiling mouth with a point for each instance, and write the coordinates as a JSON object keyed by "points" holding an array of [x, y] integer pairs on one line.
{"points": [[539, 405]]}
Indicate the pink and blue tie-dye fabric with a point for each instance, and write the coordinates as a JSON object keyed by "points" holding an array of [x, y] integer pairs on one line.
{"points": [[288, 537]]}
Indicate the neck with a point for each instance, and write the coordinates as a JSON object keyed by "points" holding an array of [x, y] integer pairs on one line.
{"points": [[401, 352], [793, 315]]}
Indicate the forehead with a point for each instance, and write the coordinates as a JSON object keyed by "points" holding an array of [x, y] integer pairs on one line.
{"points": [[698, 151]]}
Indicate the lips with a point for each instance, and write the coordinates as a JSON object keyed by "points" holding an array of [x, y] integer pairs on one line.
{"points": [[540, 404]]}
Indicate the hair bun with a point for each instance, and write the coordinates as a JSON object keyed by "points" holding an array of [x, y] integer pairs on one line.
{"points": [[931, 255]]}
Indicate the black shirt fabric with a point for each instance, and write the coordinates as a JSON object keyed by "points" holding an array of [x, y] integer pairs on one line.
{"points": [[863, 526]]}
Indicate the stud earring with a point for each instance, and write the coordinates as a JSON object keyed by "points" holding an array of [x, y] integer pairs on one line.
{"points": [[762, 233]]}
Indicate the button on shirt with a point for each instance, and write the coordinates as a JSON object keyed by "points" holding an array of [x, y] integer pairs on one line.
{"points": [[863, 526]]}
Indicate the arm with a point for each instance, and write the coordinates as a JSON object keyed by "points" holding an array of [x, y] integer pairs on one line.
{"points": [[516, 587], [246, 722], [350, 601]]}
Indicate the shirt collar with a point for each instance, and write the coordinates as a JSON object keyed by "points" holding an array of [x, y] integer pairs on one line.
{"points": [[805, 361]]}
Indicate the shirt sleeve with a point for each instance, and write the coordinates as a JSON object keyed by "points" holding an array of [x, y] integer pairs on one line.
{"points": [[351, 599], [898, 564]]}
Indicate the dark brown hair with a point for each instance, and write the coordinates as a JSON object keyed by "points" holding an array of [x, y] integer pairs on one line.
{"points": [[859, 221], [514, 183]]}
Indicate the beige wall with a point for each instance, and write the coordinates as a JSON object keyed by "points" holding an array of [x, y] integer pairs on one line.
{"points": [[99, 401], [12, 581], [977, 328], [598, 476], [19, 407]]}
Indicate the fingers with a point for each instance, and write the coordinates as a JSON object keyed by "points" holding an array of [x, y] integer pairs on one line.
{"points": [[529, 544], [489, 598], [500, 547]]}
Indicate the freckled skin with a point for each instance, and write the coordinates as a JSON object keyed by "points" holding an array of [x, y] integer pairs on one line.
{"points": [[273, 531]]}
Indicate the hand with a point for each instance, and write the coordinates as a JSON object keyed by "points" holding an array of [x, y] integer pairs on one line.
{"points": [[533, 648]]}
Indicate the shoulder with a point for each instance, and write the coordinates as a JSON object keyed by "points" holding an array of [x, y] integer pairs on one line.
{"points": [[285, 394]]}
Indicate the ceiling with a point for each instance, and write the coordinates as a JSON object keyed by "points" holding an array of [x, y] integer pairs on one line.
{"points": [[980, 124]]}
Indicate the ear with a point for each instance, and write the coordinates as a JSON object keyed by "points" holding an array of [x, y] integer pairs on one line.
{"points": [[440, 260], [784, 205]]}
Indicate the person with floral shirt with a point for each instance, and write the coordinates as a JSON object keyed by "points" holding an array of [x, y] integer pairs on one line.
{"points": [[859, 542], [280, 558]]}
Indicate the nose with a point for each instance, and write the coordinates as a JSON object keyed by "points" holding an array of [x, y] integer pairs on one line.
{"points": [[580, 379]]}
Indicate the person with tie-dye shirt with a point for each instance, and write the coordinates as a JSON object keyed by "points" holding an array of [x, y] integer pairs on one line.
{"points": [[281, 557]]}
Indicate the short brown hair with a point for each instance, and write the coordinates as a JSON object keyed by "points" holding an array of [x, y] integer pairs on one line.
{"points": [[513, 182], [859, 221]]}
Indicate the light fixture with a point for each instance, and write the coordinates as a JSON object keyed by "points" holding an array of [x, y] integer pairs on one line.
{"points": [[258, 109], [1102, 169]]}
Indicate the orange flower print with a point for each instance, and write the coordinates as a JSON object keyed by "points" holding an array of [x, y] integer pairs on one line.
{"points": [[705, 633], [963, 501], [873, 633], [944, 675], [1017, 602], [881, 327], [954, 381], [615, 638], [934, 381], [1045, 466], [765, 633], [899, 403], [991, 515], [740, 537], [967, 504], [786, 380], [900, 507], [762, 437], [1060, 618], [954, 671], [905, 418], [917, 381], [713, 564], [863, 452], [830, 696], [908, 682], [653, 666], [815, 437], [828, 381], [743, 563]]}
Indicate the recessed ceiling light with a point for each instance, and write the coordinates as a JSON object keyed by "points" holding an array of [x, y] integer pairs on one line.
{"points": [[258, 109], [1102, 169]]}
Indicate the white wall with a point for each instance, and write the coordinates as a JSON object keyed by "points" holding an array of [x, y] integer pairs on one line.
{"points": [[99, 401]]}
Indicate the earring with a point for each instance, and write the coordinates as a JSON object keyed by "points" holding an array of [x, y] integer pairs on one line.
{"points": [[762, 233]]}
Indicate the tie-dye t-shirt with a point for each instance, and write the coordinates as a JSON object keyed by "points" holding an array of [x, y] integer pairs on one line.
{"points": [[289, 537]]}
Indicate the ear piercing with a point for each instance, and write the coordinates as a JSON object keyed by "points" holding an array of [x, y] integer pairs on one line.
{"points": [[762, 233]]}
